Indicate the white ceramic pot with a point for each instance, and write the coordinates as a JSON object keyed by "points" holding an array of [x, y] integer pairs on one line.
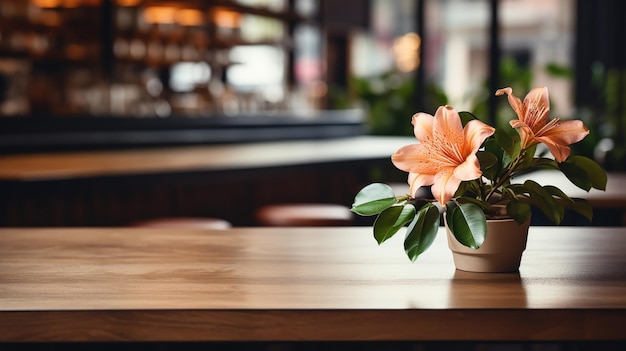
{"points": [[500, 252]]}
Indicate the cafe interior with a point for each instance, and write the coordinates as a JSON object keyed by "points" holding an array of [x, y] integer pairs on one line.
{"points": [[176, 117]]}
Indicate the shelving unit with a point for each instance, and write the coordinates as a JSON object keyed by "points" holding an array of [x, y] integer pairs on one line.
{"points": [[95, 73], [92, 47]]}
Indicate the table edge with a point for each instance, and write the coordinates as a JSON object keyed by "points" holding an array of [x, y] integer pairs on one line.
{"points": [[313, 325]]}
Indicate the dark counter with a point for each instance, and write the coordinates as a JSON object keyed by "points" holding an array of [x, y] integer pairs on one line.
{"points": [[45, 133]]}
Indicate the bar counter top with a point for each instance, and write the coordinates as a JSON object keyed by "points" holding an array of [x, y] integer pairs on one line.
{"points": [[205, 158], [118, 187]]}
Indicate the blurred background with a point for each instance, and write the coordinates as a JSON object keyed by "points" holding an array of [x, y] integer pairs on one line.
{"points": [[156, 59], [118, 74]]}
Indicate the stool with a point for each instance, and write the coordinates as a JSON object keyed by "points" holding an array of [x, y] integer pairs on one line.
{"points": [[286, 215], [184, 222]]}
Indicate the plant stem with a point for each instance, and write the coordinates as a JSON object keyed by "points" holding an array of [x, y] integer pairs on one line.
{"points": [[507, 175], [403, 198]]}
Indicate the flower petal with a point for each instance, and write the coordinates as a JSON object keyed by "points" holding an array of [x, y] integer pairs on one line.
{"points": [[514, 101], [418, 180], [446, 153], [414, 158], [526, 133], [559, 151], [567, 132], [468, 170], [445, 185], [536, 108], [475, 133], [516, 123], [423, 126], [448, 125]]}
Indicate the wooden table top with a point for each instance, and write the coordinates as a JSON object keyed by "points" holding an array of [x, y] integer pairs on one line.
{"points": [[70, 165], [294, 284]]}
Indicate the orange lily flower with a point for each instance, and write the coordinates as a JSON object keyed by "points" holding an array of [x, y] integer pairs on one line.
{"points": [[534, 127], [446, 153]]}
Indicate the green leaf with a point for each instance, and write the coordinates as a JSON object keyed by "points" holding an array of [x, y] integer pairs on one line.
{"points": [[543, 199], [477, 202], [509, 142], [461, 189], [422, 231], [486, 159], [557, 192], [595, 173], [468, 224], [373, 199], [391, 220], [576, 175], [505, 163], [529, 156], [543, 162], [468, 188], [517, 189], [519, 211], [488, 164], [581, 206], [466, 117], [492, 146]]}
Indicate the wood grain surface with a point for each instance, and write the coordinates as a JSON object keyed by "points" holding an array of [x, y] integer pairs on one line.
{"points": [[294, 284]]}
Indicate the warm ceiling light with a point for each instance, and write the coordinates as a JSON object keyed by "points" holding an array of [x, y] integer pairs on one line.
{"points": [[188, 17], [226, 18], [128, 2], [65, 3], [47, 3], [406, 50], [159, 14]]}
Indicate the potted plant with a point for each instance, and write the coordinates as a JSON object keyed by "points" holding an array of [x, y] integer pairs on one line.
{"points": [[472, 167]]}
